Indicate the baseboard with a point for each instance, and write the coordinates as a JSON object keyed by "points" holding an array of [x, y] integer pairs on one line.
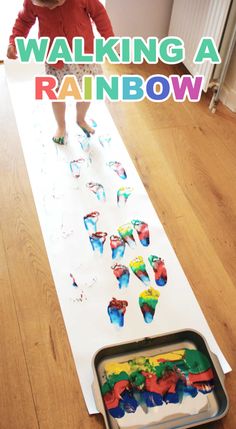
{"points": [[228, 97]]}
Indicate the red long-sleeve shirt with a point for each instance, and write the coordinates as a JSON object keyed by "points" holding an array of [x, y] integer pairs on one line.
{"points": [[72, 19]]}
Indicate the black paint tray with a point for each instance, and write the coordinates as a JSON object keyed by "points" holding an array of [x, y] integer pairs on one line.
{"points": [[217, 402]]}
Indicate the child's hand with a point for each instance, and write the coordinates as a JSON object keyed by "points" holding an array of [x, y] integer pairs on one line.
{"points": [[11, 52]]}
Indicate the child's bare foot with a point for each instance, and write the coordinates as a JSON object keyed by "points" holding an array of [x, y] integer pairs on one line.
{"points": [[85, 127], [60, 135]]}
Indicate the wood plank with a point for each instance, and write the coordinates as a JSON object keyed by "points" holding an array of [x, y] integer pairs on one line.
{"points": [[16, 400], [55, 386]]}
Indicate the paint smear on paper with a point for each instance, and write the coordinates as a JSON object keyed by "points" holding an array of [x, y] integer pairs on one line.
{"points": [[123, 195], [97, 241], [84, 143], [105, 140], [74, 284], [75, 167], [98, 190], [90, 221], [93, 123], [142, 231], [159, 269], [81, 298], [126, 233], [122, 274], [116, 310], [117, 247], [138, 267], [118, 169], [66, 232], [148, 300]]}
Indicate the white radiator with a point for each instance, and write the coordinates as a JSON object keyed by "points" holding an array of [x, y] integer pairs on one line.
{"points": [[193, 19]]}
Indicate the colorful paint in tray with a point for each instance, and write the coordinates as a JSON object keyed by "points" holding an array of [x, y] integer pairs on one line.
{"points": [[116, 311], [142, 231], [166, 381], [159, 269], [148, 300], [117, 247], [122, 274], [138, 267], [118, 168], [155, 381]]}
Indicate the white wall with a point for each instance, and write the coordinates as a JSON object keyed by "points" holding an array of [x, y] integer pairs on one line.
{"points": [[140, 17], [228, 94], [8, 15]]}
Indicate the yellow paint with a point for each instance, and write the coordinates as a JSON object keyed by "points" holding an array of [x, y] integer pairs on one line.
{"points": [[139, 363], [116, 368], [150, 293], [172, 356]]}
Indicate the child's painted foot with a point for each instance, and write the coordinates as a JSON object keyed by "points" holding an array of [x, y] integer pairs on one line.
{"points": [[86, 128], [60, 136]]}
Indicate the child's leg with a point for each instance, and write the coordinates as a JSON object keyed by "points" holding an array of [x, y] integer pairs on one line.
{"points": [[59, 109], [81, 110]]}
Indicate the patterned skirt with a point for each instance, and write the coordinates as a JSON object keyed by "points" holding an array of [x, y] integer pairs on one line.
{"points": [[78, 70]]}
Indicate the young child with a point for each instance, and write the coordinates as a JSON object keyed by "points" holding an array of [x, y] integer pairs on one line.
{"points": [[64, 18]]}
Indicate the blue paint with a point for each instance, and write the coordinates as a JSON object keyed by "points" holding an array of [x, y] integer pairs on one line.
{"points": [[116, 317]]}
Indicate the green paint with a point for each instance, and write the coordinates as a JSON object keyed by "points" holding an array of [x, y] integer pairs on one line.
{"points": [[137, 265], [106, 388], [112, 380], [164, 367], [196, 361], [149, 301], [125, 230], [137, 379]]}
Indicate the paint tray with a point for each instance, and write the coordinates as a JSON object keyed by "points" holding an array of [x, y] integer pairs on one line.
{"points": [[189, 411]]}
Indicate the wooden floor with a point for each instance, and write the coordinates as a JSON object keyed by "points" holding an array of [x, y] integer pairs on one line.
{"points": [[186, 158]]}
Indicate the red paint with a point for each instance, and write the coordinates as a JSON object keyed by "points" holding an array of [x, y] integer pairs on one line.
{"points": [[112, 398], [160, 270], [162, 385], [120, 386], [203, 376], [119, 304], [146, 308]]}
